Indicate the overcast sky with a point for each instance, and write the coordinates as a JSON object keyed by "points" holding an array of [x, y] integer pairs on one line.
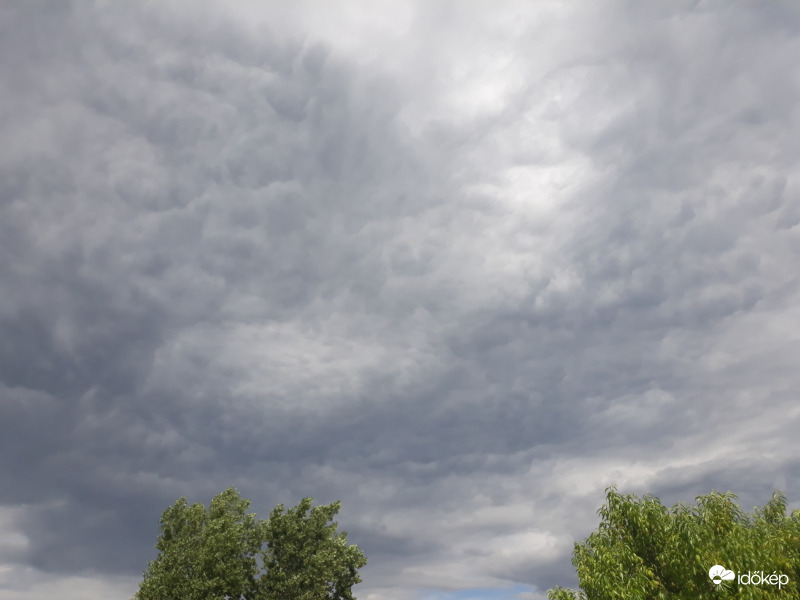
{"points": [[461, 265]]}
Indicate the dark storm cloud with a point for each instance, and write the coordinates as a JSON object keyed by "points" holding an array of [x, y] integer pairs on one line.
{"points": [[167, 186], [136, 138], [463, 295]]}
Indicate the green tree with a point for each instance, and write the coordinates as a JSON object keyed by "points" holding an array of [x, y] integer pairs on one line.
{"points": [[644, 551], [213, 554], [306, 559]]}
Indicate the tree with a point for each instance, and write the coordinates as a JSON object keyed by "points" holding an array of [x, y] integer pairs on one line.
{"points": [[306, 559], [645, 551], [213, 554], [204, 554]]}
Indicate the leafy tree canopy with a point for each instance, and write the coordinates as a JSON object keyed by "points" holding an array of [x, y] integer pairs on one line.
{"points": [[644, 551], [223, 553]]}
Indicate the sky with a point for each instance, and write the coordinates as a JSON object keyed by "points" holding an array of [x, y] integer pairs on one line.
{"points": [[461, 265]]}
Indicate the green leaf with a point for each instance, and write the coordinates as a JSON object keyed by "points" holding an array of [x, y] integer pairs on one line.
{"points": [[645, 551], [211, 554]]}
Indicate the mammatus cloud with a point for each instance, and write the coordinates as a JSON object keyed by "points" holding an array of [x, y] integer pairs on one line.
{"points": [[461, 272]]}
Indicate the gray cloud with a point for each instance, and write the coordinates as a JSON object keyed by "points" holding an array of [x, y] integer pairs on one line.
{"points": [[462, 273]]}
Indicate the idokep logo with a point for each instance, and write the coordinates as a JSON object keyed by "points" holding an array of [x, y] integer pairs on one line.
{"points": [[718, 574]]}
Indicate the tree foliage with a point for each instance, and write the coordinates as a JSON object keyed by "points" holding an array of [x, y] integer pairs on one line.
{"points": [[644, 551], [223, 553], [306, 559]]}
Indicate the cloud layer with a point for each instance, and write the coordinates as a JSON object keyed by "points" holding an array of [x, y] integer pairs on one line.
{"points": [[459, 267]]}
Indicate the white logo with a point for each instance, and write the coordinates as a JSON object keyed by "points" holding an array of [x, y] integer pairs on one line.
{"points": [[718, 574]]}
